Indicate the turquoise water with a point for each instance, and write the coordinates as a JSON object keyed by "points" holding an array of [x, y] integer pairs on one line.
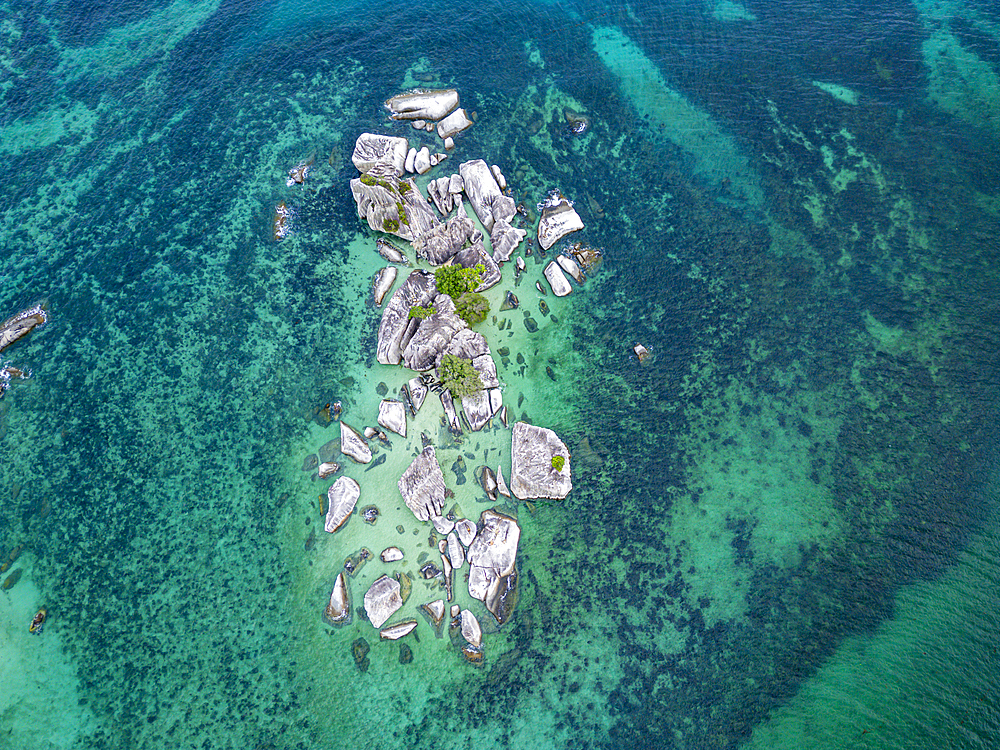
{"points": [[783, 529]]}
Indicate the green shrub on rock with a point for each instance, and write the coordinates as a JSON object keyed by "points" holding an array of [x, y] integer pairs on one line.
{"points": [[421, 312], [456, 281], [472, 308], [558, 462], [459, 376]]}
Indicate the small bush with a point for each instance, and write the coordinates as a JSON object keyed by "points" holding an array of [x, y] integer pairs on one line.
{"points": [[421, 312], [456, 281], [459, 376], [558, 462], [472, 308], [390, 225]]}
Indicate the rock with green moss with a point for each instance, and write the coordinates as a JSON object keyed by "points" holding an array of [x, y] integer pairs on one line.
{"points": [[532, 472]]}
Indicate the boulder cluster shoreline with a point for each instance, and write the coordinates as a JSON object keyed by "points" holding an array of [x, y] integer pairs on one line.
{"points": [[434, 220]]}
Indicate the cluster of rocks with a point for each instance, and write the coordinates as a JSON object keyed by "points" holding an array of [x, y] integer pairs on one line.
{"points": [[12, 329]]}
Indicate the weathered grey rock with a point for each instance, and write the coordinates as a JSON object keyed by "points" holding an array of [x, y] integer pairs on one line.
{"points": [[496, 400], [418, 124], [370, 432], [467, 344], [510, 302], [456, 185], [487, 200], [338, 611], [371, 149], [396, 326], [641, 352], [475, 254], [470, 629], [418, 393], [448, 404], [391, 554], [479, 407], [504, 238], [434, 611], [502, 597], [444, 201], [498, 176], [455, 610], [390, 252], [501, 484], [493, 556], [532, 473], [328, 469], [422, 485], [487, 370], [380, 196], [440, 244], [442, 525], [503, 416], [398, 630], [570, 266], [433, 335], [422, 161], [384, 280], [489, 482], [382, 600], [449, 580], [466, 531], [422, 104], [455, 552], [559, 218], [392, 415], [557, 280], [449, 143], [411, 158], [454, 124], [341, 498], [353, 445], [21, 324]]}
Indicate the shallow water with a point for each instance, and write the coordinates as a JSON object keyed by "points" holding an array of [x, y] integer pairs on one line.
{"points": [[783, 529]]}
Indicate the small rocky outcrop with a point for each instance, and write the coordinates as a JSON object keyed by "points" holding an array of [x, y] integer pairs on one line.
{"points": [[392, 205], [341, 498], [422, 104], [338, 611], [505, 240], [353, 445], [398, 630], [422, 485], [382, 600], [390, 252], [571, 267], [493, 557], [371, 149], [391, 554], [466, 531], [454, 124], [440, 244], [488, 201], [559, 218], [471, 630], [557, 280], [397, 325], [417, 391], [392, 416], [384, 280], [532, 472]]}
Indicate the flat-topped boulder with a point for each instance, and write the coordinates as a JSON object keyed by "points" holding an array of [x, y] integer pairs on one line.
{"points": [[353, 445], [371, 149], [422, 485], [533, 474], [488, 201], [571, 267], [454, 124], [433, 335], [341, 498], [557, 279], [392, 205], [417, 391], [383, 282], [397, 326], [422, 104], [382, 600], [392, 415], [559, 218]]}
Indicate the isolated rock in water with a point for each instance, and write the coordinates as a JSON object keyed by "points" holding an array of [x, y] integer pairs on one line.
{"points": [[441, 243], [641, 352], [392, 416], [466, 531], [421, 104], [20, 324], [422, 485], [442, 525], [588, 257], [433, 335], [371, 149], [384, 280], [557, 280], [341, 498], [353, 445], [558, 219], [390, 252], [418, 290], [398, 630], [418, 393], [501, 598], [455, 552], [454, 124], [338, 611], [434, 611], [487, 200], [392, 205], [470, 629], [504, 238], [477, 409], [498, 176], [382, 600], [328, 469], [501, 484], [532, 472], [496, 400], [570, 266], [422, 161], [472, 256], [391, 554], [493, 557]]}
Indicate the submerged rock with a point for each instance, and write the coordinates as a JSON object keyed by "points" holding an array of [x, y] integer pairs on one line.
{"points": [[341, 497], [422, 485], [559, 283], [510, 302], [532, 472], [422, 104], [382, 600], [392, 416], [338, 611], [370, 514], [559, 218], [359, 650], [353, 445]]}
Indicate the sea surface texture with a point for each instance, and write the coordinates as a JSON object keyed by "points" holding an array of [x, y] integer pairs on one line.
{"points": [[783, 531]]}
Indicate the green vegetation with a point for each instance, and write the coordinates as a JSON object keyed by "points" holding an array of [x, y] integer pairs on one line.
{"points": [[390, 225], [421, 312], [456, 281], [558, 462], [459, 376], [472, 308], [367, 179]]}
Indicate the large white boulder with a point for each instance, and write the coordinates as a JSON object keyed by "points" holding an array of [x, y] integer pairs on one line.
{"points": [[532, 474], [422, 485], [392, 415], [341, 498], [353, 445], [382, 600], [371, 149], [422, 104], [559, 218]]}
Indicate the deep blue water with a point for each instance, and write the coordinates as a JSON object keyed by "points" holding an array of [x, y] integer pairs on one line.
{"points": [[783, 528]]}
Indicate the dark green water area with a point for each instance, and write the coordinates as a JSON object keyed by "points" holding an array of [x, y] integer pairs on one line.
{"points": [[783, 529]]}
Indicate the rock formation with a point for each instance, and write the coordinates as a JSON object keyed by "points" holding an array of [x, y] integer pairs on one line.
{"points": [[396, 326], [423, 104], [492, 557], [433, 335], [384, 280], [532, 472], [440, 244], [371, 149], [353, 445], [392, 416], [557, 280], [489, 203], [505, 239], [21, 324], [570, 266], [338, 611], [472, 256], [392, 205], [559, 218], [422, 485], [454, 124], [391, 554], [382, 600], [341, 498], [398, 630]]}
